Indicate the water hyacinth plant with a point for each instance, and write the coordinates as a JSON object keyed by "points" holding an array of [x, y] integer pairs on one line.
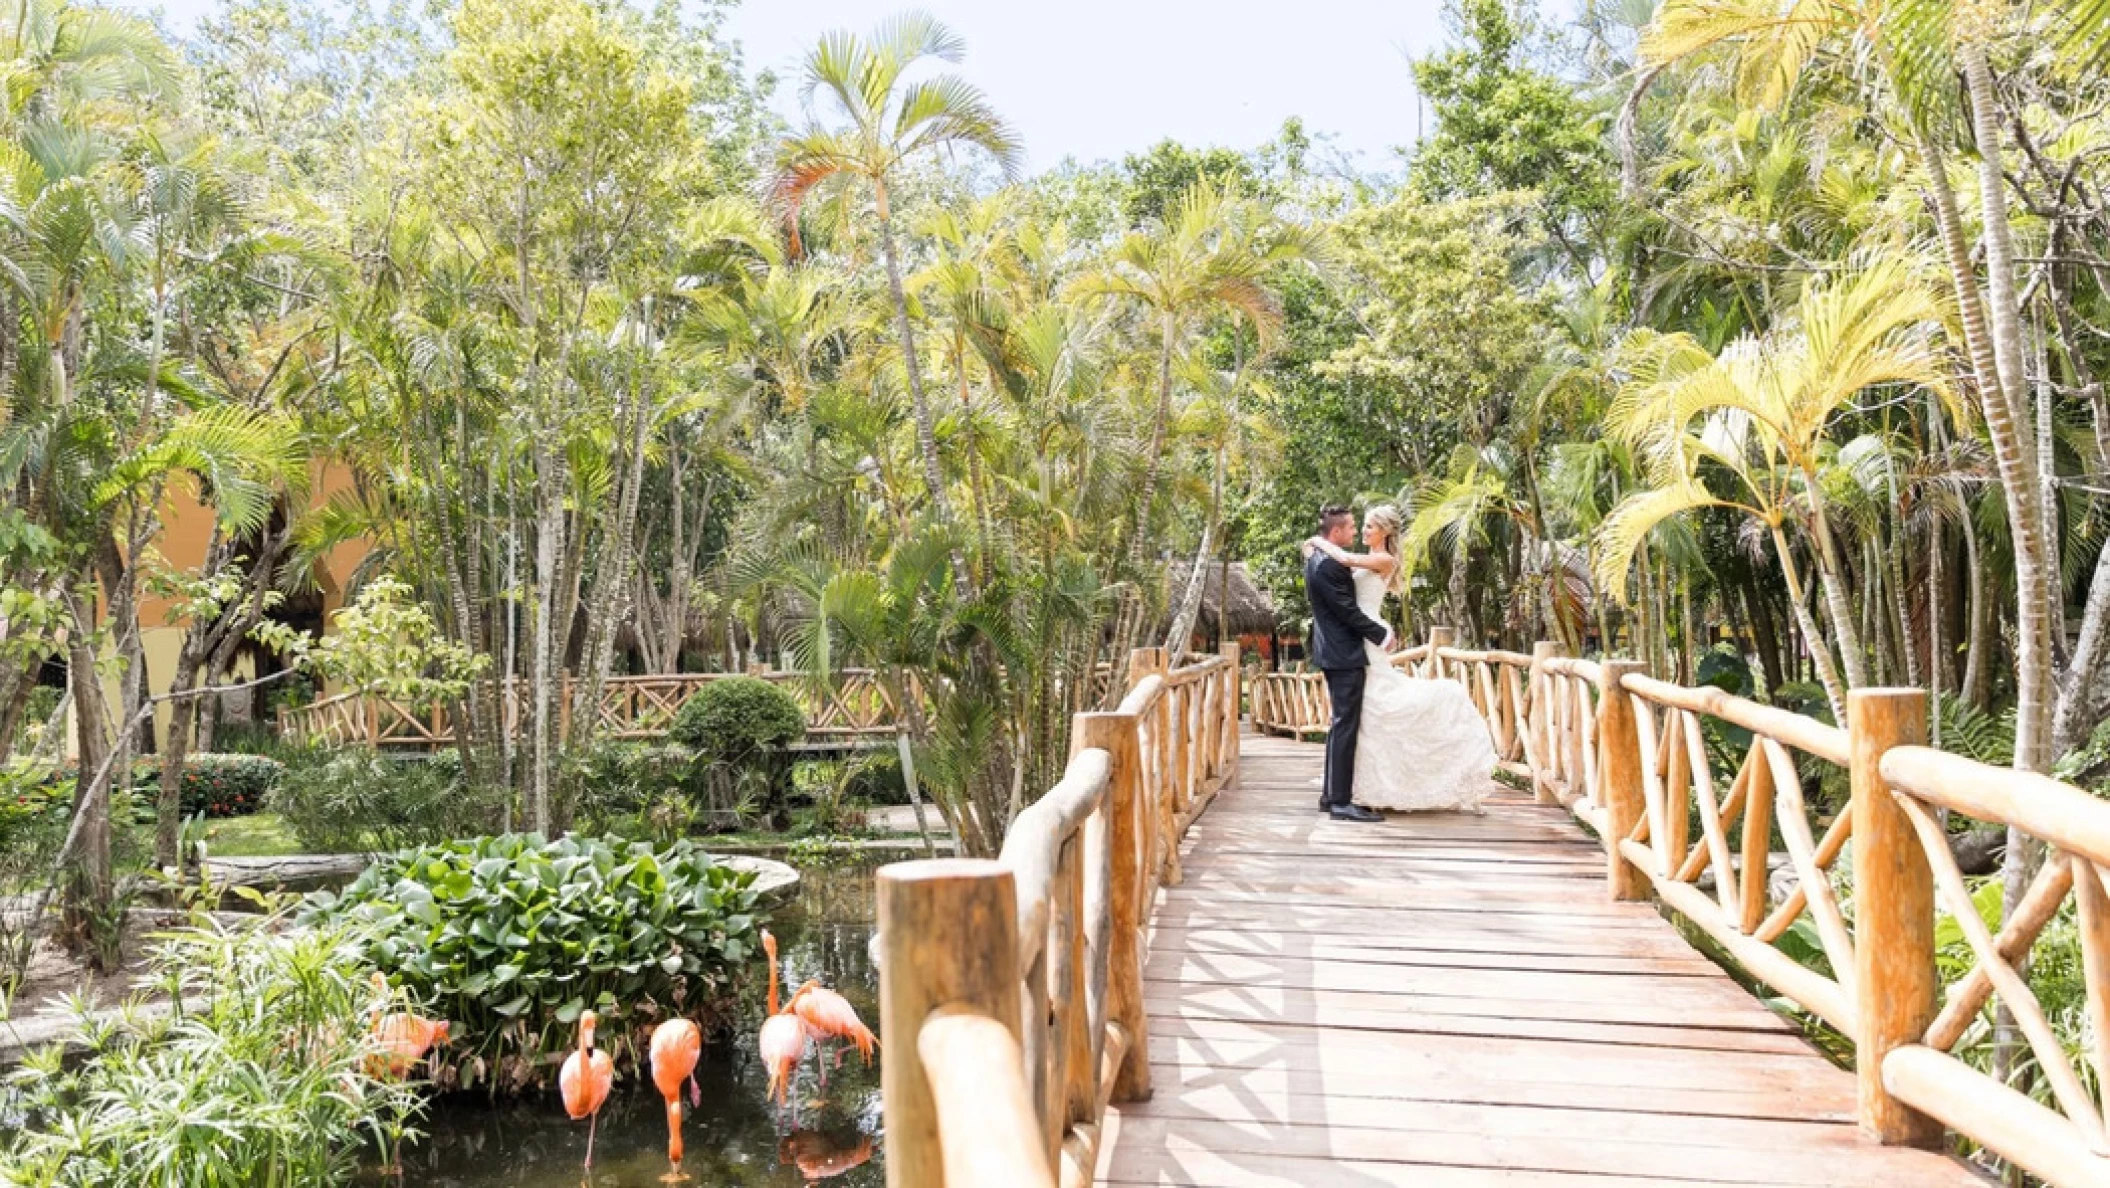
{"points": [[259, 1072], [511, 937]]}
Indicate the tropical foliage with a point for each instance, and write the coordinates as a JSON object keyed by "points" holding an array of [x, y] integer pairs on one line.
{"points": [[259, 1073], [510, 938], [527, 333]]}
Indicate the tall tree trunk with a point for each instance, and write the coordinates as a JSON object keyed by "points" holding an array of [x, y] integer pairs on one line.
{"points": [[16, 684], [615, 576], [549, 529], [2036, 560], [1831, 578], [88, 885], [1763, 635], [926, 424], [1937, 628], [2008, 424], [1978, 651], [1689, 630], [1900, 600], [1160, 427], [1179, 637], [1812, 636]]}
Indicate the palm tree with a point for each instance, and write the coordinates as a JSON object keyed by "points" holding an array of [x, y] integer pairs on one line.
{"points": [[1756, 414], [1917, 49], [887, 123], [1213, 255]]}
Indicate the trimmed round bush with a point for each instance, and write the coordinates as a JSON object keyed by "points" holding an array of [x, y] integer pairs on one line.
{"points": [[510, 937], [736, 717]]}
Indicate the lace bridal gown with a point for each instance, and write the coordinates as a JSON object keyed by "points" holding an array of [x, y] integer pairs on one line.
{"points": [[1423, 746]]}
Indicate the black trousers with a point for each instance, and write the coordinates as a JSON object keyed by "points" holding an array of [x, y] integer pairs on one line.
{"points": [[1345, 687]]}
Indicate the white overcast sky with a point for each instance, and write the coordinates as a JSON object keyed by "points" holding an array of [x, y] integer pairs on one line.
{"points": [[1095, 79]]}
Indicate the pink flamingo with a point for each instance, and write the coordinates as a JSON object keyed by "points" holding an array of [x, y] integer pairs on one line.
{"points": [[829, 1015], [782, 1041], [586, 1079], [676, 1046]]}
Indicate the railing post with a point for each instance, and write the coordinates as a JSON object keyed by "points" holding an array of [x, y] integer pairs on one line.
{"points": [[948, 934], [1439, 639], [1156, 790], [1234, 696], [1539, 727], [1894, 973], [1128, 886], [1619, 760]]}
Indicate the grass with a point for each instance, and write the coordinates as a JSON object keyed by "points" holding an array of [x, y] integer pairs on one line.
{"points": [[259, 835]]}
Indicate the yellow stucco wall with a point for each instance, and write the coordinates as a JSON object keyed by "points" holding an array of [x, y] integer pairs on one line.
{"points": [[185, 535]]}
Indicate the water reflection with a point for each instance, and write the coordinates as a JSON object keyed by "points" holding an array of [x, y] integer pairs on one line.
{"points": [[819, 1155], [736, 1137]]}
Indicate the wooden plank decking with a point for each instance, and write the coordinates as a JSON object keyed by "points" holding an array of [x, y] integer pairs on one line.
{"points": [[1452, 1000]]}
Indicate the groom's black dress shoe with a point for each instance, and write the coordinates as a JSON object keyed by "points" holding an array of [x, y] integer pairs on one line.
{"points": [[1353, 812]]}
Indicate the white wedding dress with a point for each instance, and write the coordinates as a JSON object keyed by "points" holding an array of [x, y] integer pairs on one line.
{"points": [[1422, 747]]}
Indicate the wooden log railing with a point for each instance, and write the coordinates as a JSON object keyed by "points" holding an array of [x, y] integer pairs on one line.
{"points": [[1011, 990], [852, 706], [1636, 759], [1919, 1085]]}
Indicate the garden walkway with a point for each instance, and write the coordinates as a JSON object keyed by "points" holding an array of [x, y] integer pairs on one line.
{"points": [[1453, 1000]]}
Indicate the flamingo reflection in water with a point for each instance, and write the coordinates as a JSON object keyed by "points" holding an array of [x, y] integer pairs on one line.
{"points": [[819, 1156]]}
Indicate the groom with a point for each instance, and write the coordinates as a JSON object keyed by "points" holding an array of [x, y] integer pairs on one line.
{"points": [[1338, 628]]}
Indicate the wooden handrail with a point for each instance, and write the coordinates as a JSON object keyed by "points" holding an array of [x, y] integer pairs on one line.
{"points": [[1628, 754], [851, 704], [2065, 1142], [978, 1086], [1019, 982]]}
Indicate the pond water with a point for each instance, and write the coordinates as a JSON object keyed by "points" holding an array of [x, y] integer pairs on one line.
{"points": [[737, 1137]]}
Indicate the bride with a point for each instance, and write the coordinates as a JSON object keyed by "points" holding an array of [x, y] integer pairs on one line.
{"points": [[1424, 746]]}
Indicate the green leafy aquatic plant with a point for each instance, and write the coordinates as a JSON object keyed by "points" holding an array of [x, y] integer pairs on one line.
{"points": [[510, 937]]}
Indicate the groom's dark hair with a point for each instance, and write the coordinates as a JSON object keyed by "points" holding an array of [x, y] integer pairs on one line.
{"points": [[1331, 514]]}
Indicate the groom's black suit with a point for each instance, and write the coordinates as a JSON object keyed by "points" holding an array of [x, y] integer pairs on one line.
{"points": [[1338, 629]]}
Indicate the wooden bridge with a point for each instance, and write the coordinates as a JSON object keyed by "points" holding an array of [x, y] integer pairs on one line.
{"points": [[1178, 972]]}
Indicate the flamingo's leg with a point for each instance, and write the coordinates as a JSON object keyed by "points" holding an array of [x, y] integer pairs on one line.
{"points": [[592, 1120]]}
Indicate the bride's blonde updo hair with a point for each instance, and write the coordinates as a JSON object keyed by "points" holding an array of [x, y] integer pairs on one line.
{"points": [[1385, 517]]}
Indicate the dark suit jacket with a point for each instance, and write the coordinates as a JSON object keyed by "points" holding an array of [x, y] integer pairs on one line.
{"points": [[1338, 625]]}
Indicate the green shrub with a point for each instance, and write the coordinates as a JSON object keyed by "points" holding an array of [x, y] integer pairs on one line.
{"points": [[1725, 668], [737, 717], [259, 1078], [614, 778], [342, 801], [226, 785], [738, 727], [249, 738], [639, 790], [511, 937], [1803, 698]]}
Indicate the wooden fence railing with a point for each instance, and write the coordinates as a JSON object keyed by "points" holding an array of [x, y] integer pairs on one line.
{"points": [[1641, 761], [1011, 989], [853, 705]]}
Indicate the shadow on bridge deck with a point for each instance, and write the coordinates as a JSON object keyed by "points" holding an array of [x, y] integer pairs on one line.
{"points": [[1453, 1000]]}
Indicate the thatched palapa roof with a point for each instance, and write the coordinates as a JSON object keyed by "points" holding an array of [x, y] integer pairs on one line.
{"points": [[1250, 613]]}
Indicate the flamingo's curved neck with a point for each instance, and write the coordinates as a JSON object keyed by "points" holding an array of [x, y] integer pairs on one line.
{"points": [[586, 1038], [772, 979]]}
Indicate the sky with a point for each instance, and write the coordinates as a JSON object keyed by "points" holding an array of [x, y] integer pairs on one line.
{"points": [[1097, 79]]}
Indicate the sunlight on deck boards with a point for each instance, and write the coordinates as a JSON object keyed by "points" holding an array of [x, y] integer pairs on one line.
{"points": [[1452, 1000]]}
